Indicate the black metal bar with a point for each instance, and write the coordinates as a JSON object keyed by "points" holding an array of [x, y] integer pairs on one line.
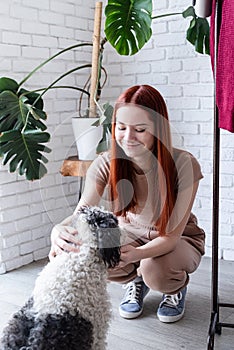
{"points": [[212, 330], [215, 325], [215, 214], [227, 325], [226, 305]]}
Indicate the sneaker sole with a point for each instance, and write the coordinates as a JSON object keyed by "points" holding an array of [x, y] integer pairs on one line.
{"points": [[170, 319], [130, 315]]}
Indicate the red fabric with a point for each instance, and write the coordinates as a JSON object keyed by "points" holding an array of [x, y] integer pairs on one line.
{"points": [[225, 64]]}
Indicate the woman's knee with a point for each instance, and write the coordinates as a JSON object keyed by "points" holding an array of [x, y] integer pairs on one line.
{"points": [[153, 276], [161, 276]]}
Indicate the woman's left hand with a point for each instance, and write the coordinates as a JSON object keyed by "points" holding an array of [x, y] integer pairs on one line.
{"points": [[129, 254]]}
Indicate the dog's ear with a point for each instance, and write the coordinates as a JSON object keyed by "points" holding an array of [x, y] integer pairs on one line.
{"points": [[108, 242], [110, 256], [108, 238]]}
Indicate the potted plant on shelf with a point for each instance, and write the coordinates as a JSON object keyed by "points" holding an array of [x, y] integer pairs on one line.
{"points": [[23, 133]]}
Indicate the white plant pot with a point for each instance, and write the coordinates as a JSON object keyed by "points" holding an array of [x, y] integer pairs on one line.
{"points": [[86, 136], [203, 8]]}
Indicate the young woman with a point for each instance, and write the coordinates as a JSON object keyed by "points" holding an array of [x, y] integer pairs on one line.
{"points": [[151, 187]]}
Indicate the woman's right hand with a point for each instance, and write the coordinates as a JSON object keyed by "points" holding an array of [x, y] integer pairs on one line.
{"points": [[63, 239]]}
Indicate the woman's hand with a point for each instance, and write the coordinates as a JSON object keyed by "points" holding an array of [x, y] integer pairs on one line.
{"points": [[129, 254], [63, 239]]}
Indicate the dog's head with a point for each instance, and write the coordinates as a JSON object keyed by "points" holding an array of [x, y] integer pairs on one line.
{"points": [[99, 228]]}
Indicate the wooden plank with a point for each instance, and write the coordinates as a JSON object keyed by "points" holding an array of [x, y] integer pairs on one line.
{"points": [[95, 58], [72, 166]]}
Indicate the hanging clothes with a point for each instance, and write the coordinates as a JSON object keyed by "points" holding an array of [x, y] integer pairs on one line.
{"points": [[225, 64]]}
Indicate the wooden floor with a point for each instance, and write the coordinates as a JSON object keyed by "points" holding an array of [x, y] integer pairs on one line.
{"points": [[146, 332]]}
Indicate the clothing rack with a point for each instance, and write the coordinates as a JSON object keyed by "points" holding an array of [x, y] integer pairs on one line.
{"points": [[215, 324]]}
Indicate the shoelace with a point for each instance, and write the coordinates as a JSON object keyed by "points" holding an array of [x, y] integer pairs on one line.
{"points": [[134, 290], [172, 300]]}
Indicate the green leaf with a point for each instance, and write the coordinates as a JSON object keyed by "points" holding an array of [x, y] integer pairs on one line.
{"points": [[104, 143], [128, 24], [16, 113], [13, 112], [23, 151], [37, 113], [105, 120], [189, 12], [32, 97], [8, 84], [198, 33]]}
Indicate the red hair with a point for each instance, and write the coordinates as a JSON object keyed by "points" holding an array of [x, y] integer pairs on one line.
{"points": [[121, 167]]}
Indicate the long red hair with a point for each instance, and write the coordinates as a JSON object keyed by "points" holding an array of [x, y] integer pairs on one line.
{"points": [[121, 167]]}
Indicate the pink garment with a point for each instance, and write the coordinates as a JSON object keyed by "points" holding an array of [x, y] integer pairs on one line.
{"points": [[225, 64]]}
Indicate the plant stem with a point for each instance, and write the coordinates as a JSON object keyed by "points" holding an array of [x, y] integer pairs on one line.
{"points": [[51, 58], [64, 75], [57, 87], [51, 86], [59, 78], [167, 14]]}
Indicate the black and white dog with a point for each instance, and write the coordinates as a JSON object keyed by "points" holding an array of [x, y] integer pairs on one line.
{"points": [[70, 308]]}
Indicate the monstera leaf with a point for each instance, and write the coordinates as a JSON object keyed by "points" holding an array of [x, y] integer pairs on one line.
{"points": [[8, 84], [128, 24], [21, 130], [198, 33], [16, 111], [23, 151]]}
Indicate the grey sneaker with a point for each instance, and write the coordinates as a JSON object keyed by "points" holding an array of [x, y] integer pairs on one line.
{"points": [[132, 304], [171, 308]]}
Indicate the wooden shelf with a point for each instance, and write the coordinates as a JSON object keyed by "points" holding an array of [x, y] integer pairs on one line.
{"points": [[72, 166]]}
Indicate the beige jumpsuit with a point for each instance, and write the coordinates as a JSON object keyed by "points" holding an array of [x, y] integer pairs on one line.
{"points": [[168, 273]]}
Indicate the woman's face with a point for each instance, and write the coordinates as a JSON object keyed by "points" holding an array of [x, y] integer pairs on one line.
{"points": [[134, 131]]}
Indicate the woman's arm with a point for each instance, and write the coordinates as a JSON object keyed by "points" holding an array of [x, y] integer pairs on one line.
{"points": [[92, 194], [63, 235], [175, 228]]}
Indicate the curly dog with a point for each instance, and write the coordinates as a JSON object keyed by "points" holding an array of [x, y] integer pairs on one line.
{"points": [[69, 308]]}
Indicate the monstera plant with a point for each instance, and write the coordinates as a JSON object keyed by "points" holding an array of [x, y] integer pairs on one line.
{"points": [[128, 26], [22, 121]]}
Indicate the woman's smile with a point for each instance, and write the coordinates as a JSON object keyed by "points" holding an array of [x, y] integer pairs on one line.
{"points": [[131, 145]]}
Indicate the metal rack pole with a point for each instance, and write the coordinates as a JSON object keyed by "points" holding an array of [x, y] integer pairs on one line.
{"points": [[215, 324]]}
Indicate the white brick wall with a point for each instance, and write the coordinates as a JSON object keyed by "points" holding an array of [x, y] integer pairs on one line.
{"points": [[29, 33], [31, 30]]}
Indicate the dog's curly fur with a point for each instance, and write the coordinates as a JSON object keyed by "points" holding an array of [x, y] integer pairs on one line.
{"points": [[70, 308]]}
